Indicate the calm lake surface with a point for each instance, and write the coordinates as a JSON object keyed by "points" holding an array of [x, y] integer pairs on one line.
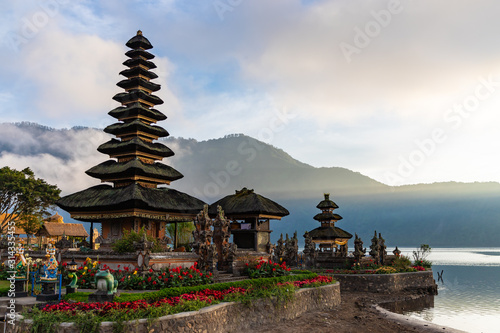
{"points": [[469, 295]]}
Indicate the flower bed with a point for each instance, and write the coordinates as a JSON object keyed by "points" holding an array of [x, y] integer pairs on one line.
{"points": [[259, 269], [130, 279], [169, 301]]}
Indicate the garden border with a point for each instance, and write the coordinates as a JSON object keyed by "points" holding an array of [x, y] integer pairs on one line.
{"points": [[228, 317]]}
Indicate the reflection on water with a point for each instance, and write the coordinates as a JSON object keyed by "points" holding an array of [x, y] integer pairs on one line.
{"points": [[469, 295], [417, 305]]}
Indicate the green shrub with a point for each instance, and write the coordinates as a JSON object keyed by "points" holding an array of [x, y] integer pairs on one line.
{"points": [[126, 243], [401, 263]]}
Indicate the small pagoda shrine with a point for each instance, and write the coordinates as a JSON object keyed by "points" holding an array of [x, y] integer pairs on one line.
{"points": [[329, 237], [250, 214], [138, 196]]}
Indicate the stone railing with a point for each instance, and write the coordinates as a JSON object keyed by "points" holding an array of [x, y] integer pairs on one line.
{"points": [[226, 317]]}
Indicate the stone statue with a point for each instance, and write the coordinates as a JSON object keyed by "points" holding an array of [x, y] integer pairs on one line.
{"points": [[202, 245], [359, 251], [279, 251], [309, 251], [382, 249], [374, 249]]}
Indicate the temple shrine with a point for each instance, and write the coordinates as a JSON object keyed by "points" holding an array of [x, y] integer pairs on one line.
{"points": [[138, 196], [328, 237], [250, 214]]}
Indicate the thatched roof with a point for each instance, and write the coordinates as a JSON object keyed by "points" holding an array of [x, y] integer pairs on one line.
{"points": [[108, 199], [136, 94], [114, 146], [328, 233], [327, 203], [134, 126], [114, 169], [54, 229], [139, 42], [328, 216], [139, 53], [248, 203], [135, 109], [138, 82], [139, 62]]}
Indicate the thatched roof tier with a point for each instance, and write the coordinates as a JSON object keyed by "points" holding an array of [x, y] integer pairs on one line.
{"points": [[138, 71], [137, 83], [139, 42], [133, 168], [139, 62], [137, 95], [105, 198], [134, 128], [246, 203], [139, 53], [54, 229], [328, 233], [133, 146], [134, 110], [328, 216], [327, 203]]}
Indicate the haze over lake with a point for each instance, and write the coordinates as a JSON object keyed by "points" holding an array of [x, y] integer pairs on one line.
{"points": [[469, 295]]}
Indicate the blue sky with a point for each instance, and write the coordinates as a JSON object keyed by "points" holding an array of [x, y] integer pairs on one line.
{"points": [[402, 91]]}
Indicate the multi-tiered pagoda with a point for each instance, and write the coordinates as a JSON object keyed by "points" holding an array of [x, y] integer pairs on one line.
{"points": [[328, 236], [134, 200]]}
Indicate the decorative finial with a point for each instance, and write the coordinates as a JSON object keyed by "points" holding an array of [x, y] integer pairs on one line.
{"points": [[139, 33], [327, 196]]}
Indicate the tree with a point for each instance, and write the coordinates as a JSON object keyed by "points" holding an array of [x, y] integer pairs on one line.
{"points": [[30, 224], [21, 195], [422, 253]]}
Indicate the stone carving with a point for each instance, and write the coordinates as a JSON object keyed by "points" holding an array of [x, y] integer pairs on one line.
{"points": [[359, 251], [309, 251], [374, 249], [382, 249], [270, 248], [222, 232], [202, 241], [291, 250], [279, 251], [64, 243]]}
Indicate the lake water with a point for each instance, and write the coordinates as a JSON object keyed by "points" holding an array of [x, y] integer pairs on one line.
{"points": [[469, 295]]}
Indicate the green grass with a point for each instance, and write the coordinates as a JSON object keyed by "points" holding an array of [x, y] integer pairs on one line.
{"points": [[4, 287]]}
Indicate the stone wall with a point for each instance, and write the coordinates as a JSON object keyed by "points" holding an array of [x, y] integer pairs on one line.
{"points": [[387, 283], [229, 317]]}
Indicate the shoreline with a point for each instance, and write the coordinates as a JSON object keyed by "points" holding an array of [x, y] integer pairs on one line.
{"points": [[359, 312]]}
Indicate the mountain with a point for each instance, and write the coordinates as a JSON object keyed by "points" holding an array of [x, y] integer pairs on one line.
{"points": [[440, 214]]}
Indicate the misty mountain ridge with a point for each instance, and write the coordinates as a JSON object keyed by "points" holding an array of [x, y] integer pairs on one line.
{"points": [[439, 214]]}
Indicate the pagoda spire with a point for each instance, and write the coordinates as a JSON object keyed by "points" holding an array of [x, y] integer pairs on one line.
{"points": [[134, 148], [134, 198]]}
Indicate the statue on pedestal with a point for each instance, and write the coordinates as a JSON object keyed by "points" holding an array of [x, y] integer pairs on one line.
{"points": [[51, 264]]}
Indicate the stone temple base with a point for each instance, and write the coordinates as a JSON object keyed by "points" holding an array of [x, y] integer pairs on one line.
{"points": [[101, 296], [48, 292], [19, 291]]}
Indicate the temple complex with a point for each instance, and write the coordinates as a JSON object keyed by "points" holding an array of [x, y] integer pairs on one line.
{"points": [[250, 214], [328, 236], [137, 196]]}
